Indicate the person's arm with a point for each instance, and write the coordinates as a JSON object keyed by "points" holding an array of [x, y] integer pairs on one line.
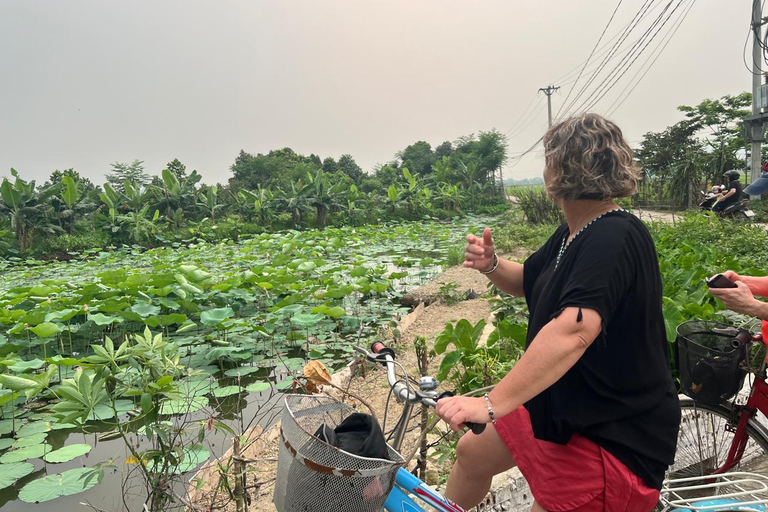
{"points": [[728, 194], [478, 254], [742, 298], [554, 351]]}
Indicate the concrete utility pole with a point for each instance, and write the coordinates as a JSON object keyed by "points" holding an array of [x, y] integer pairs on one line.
{"points": [[756, 122], [548, 91]]}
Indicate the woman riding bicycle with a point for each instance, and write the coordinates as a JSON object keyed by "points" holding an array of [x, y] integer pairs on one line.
{"points": [[590, 412]]}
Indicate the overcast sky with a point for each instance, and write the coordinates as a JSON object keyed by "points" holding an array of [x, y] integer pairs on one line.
{"points": [[89, 82]]}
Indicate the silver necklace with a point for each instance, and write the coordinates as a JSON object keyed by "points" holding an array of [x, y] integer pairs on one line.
{"points": [[565, 244]]}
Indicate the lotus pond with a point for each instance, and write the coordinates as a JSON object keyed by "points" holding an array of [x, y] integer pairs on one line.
{"points": [[207, 332]]}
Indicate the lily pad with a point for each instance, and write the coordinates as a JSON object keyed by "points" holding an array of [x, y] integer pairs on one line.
{"points": [[46, 329], [194, 404], [33, 427], [258, 387], [214, 317], [30, 440], [104, 412], [193, 388], [227, 391], [67, 453], [5, 443], [10, 473], [51, 487], [6, 426], [22, 454], [25, 366], [242, 371]]}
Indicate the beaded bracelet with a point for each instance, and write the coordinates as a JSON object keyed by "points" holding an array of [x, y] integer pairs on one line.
{"points": [[490, 409], [493, 267]]}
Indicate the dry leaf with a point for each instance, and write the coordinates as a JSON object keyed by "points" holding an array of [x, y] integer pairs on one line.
{"points": [[316, 374]]}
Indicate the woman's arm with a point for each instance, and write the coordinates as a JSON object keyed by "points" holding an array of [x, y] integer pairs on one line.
{"points": [[478, 254], [741, 298], [556, 348]]}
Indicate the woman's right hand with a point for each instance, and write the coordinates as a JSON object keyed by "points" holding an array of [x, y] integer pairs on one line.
{"points": [[478, 253]]}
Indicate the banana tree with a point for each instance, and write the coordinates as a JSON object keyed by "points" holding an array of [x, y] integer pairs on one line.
{"points": [[259, 203], [294, 202], [323, 196], [177, 196], [208, 202], [66, 202], [29, 209]]}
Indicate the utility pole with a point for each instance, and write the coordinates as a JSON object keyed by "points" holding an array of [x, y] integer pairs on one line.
{"points": [[756, 122], [548, 91]]}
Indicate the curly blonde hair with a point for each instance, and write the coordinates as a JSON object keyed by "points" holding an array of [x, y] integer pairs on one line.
{"points": [[588, 158]]}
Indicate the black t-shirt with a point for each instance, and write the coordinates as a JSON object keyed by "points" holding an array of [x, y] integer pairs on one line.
{"points": [[735, 197], [620, 394]]}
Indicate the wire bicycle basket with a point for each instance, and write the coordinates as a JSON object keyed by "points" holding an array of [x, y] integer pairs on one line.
{"points": [[313, 476], [709, 362]]}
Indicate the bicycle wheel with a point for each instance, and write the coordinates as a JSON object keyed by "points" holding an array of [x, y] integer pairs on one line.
{"points": [[704, 441]]}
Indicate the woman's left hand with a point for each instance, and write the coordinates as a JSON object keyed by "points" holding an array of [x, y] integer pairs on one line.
{"points": [[455, 410], [739, 299]]}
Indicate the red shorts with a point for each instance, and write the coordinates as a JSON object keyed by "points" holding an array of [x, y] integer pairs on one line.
{"points": [[578, 476]]}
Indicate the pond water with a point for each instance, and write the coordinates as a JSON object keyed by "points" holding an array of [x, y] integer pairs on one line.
{"points": [[275, 293]]}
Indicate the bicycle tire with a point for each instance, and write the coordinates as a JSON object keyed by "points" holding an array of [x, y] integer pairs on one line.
{"points": [[704, 441]]}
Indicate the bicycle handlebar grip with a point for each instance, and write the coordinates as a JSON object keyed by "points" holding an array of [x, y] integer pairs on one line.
{"points": [[379, 348], [476, 428]]}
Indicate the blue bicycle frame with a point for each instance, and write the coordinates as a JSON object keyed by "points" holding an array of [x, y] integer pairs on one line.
{"points": [[399, 501]]}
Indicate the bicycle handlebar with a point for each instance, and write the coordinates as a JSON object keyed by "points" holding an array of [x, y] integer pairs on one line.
{"points": [[403, 392]]}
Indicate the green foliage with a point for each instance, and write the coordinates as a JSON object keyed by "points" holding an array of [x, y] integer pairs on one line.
{"points": [[538, 207], [449, 294]]}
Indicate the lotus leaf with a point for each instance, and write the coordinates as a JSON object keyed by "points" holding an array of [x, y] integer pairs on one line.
{"points": [[104, 411], [22, 454], [144, 309], [63, 315], [258, 387], [67, 453], [194, 404], [6, 443], [193, 388], [306, 319], [46, 329], [30, 440], [10, 473], [186, 327], [69, 482], [34, 427], [227, 391], [242, 371], [15, 383], [25, 366], [6, 426], [102, 320], [214, 317]]}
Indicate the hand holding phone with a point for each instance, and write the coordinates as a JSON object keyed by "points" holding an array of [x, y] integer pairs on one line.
{"points": [[720, 281]]}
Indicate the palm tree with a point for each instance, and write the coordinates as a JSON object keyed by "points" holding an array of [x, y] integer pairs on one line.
{"points": [[29, 209], [323, 196]]}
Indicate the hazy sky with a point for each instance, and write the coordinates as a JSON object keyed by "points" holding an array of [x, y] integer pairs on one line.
{"points": [[89, 82]]}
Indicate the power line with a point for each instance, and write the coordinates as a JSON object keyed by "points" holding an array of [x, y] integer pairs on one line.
{"points": [[620, 70], [625, 33], [531, 117], [516, 123], [587, 61], [671, 34]]}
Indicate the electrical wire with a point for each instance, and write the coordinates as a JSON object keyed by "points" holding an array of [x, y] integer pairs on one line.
{"points": [[565, 108], [592, 52], [669, 37], [597, 95], [537, 111], [517, 123]]}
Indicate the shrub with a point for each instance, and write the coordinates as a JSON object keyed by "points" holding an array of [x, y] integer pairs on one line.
{"points": [[538, 208]]}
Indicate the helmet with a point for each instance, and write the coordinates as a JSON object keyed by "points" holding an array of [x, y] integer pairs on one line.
{"points": [[732, 175]]}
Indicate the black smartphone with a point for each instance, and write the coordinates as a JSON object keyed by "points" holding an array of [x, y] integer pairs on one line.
{"points": [[720, 281]]}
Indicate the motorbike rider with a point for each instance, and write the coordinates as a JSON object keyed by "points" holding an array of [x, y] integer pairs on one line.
{"points": [[732, 193], [710, 197]]}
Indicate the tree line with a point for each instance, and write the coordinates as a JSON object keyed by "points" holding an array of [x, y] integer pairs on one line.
{"points": [[693, 154], [277, 190]]}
